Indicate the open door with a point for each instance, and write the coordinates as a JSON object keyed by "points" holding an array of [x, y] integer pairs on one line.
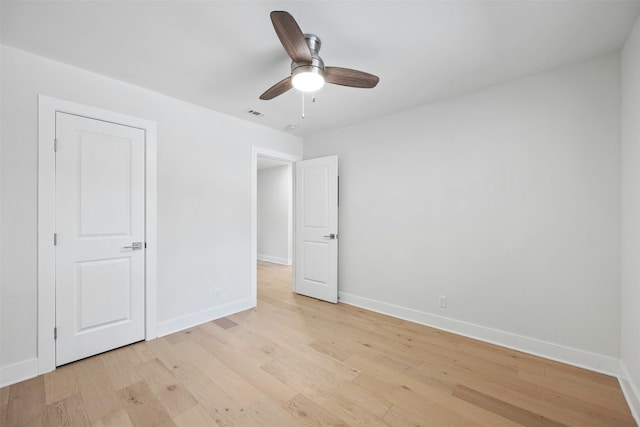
{"points": [[316, 236]]}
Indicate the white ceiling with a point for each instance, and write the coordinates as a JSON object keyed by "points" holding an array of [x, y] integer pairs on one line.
{"points": [[224, 54]]}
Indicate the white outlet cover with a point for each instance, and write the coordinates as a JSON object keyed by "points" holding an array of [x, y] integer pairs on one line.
{"points": [[442, 301]]}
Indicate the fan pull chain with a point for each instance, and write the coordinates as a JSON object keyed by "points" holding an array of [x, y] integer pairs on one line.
{"points": [[313, 99]]}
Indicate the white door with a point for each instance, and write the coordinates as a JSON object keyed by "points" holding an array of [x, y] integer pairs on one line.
{"points": [[100, 256], [316, 262]]}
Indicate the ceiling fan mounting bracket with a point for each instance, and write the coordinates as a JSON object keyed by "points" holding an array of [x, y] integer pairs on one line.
{"points": [[313, 42]]}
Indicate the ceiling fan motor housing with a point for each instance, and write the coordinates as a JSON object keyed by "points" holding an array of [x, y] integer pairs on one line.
{"points": [[317, 65]]}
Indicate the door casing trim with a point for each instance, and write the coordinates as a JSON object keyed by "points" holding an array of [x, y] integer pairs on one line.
{"points": [[47, 108]]}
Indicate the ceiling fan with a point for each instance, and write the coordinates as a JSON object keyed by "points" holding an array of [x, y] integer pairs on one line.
{"points": [[308, 72]]}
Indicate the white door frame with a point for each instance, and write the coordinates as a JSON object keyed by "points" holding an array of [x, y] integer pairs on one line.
{"points": [[277, 155], [47, 108]]}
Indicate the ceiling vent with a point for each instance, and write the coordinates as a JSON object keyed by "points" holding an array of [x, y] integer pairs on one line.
{"points": [[255, 113]]}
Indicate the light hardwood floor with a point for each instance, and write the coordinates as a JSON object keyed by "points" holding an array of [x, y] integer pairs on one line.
{"points": [[297, 361]]}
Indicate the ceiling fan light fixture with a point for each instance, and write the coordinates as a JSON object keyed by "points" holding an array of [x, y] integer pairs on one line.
{"points": [[308, 81]]}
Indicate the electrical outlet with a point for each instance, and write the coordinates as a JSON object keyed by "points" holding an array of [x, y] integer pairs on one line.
{"points": [[442, 301]]}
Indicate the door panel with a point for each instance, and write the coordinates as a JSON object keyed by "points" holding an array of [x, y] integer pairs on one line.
{"points": [[99, 214], [315, 180], [104, 290], [316, 264], [105, 190], [316, 257]]}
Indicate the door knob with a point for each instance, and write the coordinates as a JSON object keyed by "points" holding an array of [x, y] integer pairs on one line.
{"points": [[134, 246], [331, 236]]}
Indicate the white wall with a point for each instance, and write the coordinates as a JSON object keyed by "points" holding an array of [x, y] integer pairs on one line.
{"points": [[630, 319], [204, 196], [274, 194], [506, 200]]}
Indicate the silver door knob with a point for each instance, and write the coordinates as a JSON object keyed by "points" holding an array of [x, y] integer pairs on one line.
{"points": [[136, 246], [331, 236]]}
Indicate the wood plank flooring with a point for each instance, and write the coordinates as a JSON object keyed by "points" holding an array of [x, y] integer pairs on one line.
{"points": [[296, 361]]}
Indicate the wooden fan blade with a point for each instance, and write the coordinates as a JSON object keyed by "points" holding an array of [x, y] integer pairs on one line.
{"points": [[291, 36], [348, 77], [277, 89]]}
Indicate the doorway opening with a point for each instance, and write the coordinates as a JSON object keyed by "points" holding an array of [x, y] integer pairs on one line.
{"points": [[274, 222], [271, 214]]}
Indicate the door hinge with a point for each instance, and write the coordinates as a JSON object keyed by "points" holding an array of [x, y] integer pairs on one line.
{"points": [[55, 239], [55, 333], [55, 145]]}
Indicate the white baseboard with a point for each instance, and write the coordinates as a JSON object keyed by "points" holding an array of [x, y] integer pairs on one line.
{"points": [[180, 323], [275, 260], [17, 372], [631, 392], [571, 356]]}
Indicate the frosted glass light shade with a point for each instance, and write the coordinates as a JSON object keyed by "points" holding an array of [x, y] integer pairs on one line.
{"points": [[307, 81]]}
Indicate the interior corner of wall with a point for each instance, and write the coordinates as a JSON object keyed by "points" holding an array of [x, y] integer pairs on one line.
{"points": [[631, 391]]}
